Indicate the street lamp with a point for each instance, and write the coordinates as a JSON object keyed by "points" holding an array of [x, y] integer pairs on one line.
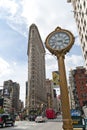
{"points": [[59, 43]]}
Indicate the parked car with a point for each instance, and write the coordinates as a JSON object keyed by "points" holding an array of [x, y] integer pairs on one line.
{"points": [[40, 119], [78, 120], [32, 117], [6, 119], [59, 118]]}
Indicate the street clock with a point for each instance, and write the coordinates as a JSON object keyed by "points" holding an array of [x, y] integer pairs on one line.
{"points": [[59, 41]]}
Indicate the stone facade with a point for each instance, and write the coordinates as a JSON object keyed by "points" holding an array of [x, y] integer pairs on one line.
{"points": [[11, 92], [36, 95]]}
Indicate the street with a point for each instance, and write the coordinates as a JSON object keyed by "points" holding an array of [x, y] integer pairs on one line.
{"points": [[30, 125]]}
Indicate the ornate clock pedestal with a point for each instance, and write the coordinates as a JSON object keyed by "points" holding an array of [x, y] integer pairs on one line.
{"points": [[67, 122], [59, 43]]}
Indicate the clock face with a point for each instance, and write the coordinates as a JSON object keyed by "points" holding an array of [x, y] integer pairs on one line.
{"points": [[59, 40]]}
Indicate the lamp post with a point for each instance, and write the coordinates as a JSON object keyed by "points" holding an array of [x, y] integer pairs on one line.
{"points": [[59, 43]]}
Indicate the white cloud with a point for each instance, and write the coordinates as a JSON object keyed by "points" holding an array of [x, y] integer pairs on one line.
{"points": [[30, 10], [71, 62], [11, 12], [21, 14], [9, 6], [4, 68], [15, 72]]}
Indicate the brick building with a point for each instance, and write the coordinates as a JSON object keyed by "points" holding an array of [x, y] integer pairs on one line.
{"points": [[78, 85]]}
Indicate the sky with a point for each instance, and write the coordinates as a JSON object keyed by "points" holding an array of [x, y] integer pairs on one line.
{"points": [[16, 16]]}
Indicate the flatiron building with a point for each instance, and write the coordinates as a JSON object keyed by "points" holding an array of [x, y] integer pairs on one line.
{"points": [[36, 88]]}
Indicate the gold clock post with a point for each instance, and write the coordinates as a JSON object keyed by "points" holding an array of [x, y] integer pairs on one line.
{"points": [[59, 43], [67, 122]]}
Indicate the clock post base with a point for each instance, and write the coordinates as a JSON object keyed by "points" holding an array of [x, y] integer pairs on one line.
{"points": [[67, 124]]}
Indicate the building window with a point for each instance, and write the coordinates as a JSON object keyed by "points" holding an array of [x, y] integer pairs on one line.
{"points": [[81, 20], [84, 4], [86, 37], [32, 102], [82, 14], [82, 82], [32, 33], [81, 7], [32, 91], [85, 57], [83, 28], [32, 72], [80, 29], [86, 54], [82, 36], [83, 46], [86, 11], [32, 86], [32, 96], [78, 6], [81, 87], [85, 22]]}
